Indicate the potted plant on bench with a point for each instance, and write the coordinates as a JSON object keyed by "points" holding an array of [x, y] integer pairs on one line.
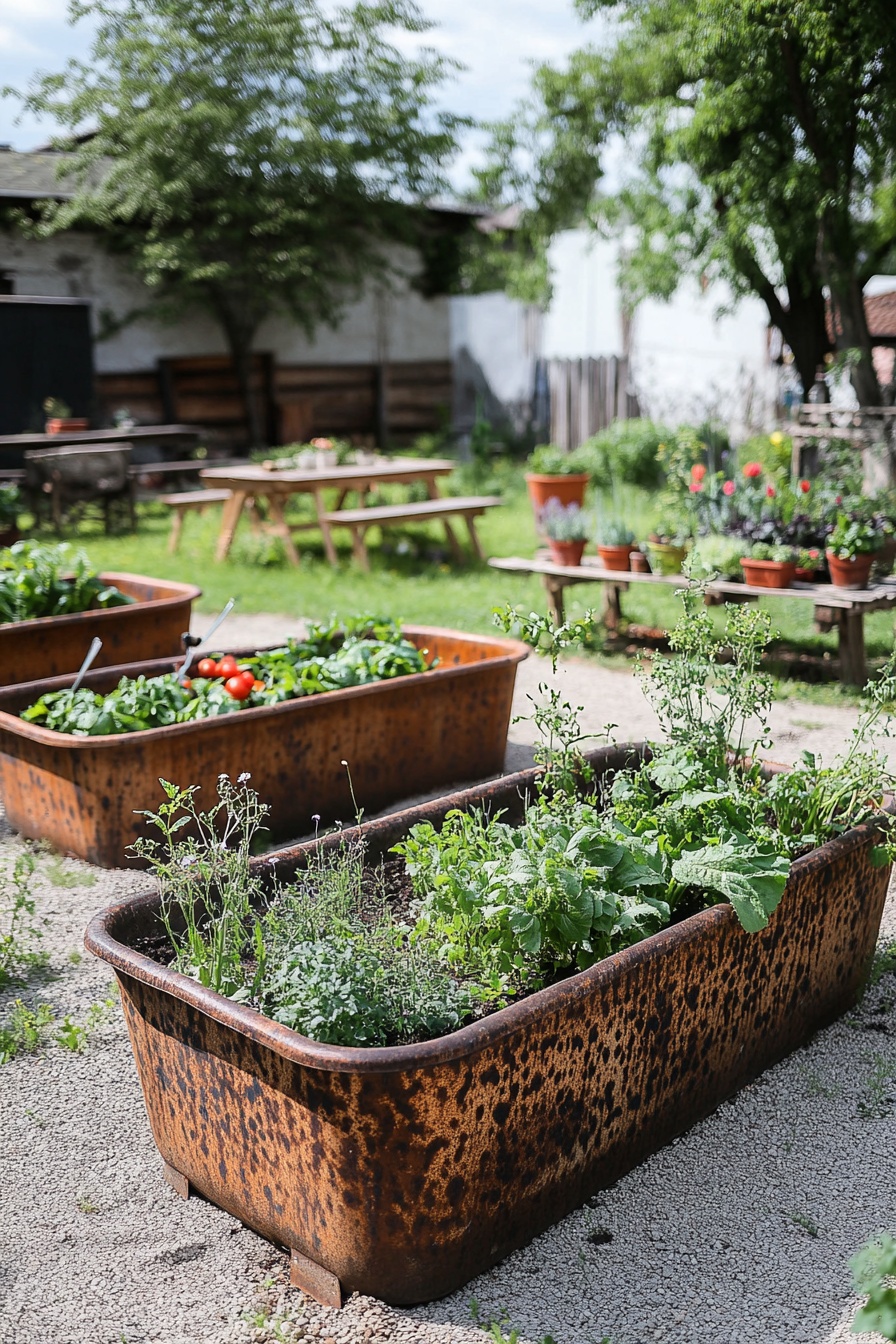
{"points": [[567, 531], [555, 474], [614, 544], [769, 566], [851, 549], [60, 419]]}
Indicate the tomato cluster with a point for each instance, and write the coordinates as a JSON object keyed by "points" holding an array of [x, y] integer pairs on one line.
{"points": [[238, 682]]}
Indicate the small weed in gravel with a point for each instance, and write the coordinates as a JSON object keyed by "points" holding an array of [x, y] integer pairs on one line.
{"points": [[86, 1203], [803, 1220], [58, 875], [18, 929], [24, 1030], [879, 1091]]}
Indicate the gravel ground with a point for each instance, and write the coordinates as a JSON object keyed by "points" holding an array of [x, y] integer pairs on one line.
{"points": [[739, 1231]]}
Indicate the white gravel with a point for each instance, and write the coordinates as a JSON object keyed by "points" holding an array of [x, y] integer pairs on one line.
{"points": [[739, 1231]]}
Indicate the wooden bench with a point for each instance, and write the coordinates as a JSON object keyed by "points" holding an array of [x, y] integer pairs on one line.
{"points": [[189, 501], [839, 609], [389, 515]]}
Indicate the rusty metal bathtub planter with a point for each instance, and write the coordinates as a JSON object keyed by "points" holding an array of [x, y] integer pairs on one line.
{"points": [[404, 1172], [149, 627], [403, 736]]}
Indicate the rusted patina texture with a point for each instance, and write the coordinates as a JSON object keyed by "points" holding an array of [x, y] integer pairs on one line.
{"points": [[51, 646], [406, 1171], [402, 736]]}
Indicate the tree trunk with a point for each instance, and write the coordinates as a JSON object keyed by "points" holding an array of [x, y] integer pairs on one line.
{"points": [[851, 333], [240, 335], [803, 327]]}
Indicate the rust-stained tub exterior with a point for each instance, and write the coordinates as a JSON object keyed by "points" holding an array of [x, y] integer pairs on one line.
{"points": [[404, 1172], [150, 627], [401, 736]]}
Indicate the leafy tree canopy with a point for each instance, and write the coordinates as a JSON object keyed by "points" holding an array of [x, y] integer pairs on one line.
{"points": [[758, 147], [249, 156]]}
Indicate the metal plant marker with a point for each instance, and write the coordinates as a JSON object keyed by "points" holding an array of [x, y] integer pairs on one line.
{"points": [[193, 645], [95, 645]]}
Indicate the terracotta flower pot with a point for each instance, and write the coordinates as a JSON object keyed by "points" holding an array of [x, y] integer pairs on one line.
{"points": [[768, 573], [666, 558], [567, 552], [850, 573], [638, 563], [568, 489], [71, 425], [615, 557]]}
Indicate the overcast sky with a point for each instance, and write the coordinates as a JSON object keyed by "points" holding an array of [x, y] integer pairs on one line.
{"points": [[496, 40]]}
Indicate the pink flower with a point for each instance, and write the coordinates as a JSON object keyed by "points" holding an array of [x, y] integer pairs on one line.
{"points": [[770, 491], [839, 499], [698, 471], [752, 470], [695, 488], [805, 487], [321, 443], [728, 488]]}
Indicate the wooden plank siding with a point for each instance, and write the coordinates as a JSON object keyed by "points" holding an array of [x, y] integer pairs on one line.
{"points": [[296, 401], [586, 395]]}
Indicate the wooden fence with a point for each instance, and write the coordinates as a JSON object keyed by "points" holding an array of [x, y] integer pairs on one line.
{"points": [[370, 402], [586, 395]]}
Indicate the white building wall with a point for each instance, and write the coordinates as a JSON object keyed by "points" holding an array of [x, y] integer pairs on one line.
{"points": [[494, 344], [399, 325], [687, 362]]}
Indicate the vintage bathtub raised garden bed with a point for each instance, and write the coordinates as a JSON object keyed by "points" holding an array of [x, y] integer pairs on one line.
{"points": [[401, 736], [403, 1172], [149, 627]]}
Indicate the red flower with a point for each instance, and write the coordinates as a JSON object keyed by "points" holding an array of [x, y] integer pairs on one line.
{"points": [[752, 470], [728, 488], [805, 487], [698, 471], [695, 488], [770, 491], [839, 499]]}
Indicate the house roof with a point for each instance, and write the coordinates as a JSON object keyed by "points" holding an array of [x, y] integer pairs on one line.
{"points": [[32, 177]]}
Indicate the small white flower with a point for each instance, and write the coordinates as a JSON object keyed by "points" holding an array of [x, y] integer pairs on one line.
{"points": [[315, 817], [343, 763], [241, 779]]}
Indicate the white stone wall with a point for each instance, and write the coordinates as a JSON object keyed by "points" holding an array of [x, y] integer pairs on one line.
{"points": [[398, 325]]}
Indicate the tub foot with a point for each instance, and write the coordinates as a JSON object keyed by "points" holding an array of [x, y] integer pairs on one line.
{"points": [[178, 1183], [314, 1280]]}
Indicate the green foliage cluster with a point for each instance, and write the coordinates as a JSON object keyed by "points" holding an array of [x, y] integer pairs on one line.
{"points": [[37, 579], [355, 653], [548, 460], [625, 452], [874, 1274], [18, 929], [852, 537]]}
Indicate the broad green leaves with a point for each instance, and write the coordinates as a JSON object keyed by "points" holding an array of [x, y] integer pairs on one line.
{"points": [[751, 877]]}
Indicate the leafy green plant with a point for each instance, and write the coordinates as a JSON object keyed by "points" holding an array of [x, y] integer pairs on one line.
{"points": [[57, 409], [549, 460], [718, 554], [874, 1275], [10, 504], [626, 451], [852, 537], [51, 580], [614, 532], [332, 657], [764, 550]]}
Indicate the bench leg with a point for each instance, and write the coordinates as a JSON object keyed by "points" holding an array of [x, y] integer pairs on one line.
{"points": [[612, 607], [359, 548], [554, 590], [177, 524], [853, 668], [320, 505], [230, 516], [474, 539], [280, 527], [456, 548]]}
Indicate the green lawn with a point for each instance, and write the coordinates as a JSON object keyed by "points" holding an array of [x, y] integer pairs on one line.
{"points": [[416, 580]]}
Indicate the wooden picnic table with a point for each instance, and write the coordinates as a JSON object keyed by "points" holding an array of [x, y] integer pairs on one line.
{"points": [[840, 609], [250, 483], [13, 446]]}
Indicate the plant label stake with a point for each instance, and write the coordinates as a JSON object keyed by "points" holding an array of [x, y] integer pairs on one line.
{"points": [[193, 643], [95, 645]]}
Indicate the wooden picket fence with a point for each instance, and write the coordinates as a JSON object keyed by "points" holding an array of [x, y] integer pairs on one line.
{"points": [[586, 395]]}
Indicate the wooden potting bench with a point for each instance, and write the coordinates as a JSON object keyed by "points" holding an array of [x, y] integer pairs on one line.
{"points": [[839, 609]]}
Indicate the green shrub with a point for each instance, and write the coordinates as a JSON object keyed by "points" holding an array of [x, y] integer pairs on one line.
{"points": [[626, 451], [772, 451]]}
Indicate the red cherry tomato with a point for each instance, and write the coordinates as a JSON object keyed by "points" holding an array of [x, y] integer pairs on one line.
{"points": [[258, 686], [238, 688], [187, 684], [227, 666], [207, 667], [247, 675]]}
